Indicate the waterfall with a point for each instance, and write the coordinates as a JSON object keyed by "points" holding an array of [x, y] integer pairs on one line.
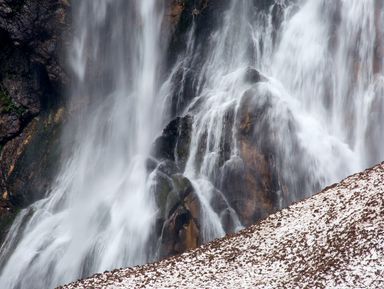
{"points": [[99, 213], [311, 72], [293, 88]]}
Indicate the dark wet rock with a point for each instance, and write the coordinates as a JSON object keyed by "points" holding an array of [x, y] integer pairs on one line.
{"points": [[170, 190], [277, 13], [29, 161], [28, 164], [9, 125], [180, 230], [168, 167], [38, 28], [251, 177], [206, 15], [164, 147], [227, 136], [174, 142], [259, 186], [177, 226], [165, 197], [32, 41], [151, 164], [251, 182], [252, 75], [33, 38], [182, 186], [258, 181], [183, 142], [7, 215], [264, 4], [225, 212], [180, 233]]}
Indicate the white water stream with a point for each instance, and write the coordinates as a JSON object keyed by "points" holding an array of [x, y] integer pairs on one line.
{"points": [[323, 98], [99, 213]]}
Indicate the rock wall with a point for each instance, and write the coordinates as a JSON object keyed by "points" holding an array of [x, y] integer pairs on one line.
{"points": [[250, 186], [33, 40]]}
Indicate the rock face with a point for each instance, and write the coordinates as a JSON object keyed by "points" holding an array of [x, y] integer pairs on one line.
{"points": [[174, 143], [206, 15], [29, 159], [179, 209], [334, 239], [256, 180], [250, 183], [33, 38]]}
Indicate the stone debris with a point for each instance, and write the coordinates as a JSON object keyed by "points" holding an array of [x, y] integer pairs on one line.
{"points": [[334, 239]]}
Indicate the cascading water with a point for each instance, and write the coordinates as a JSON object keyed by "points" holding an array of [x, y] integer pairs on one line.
{"points": [[297, 85], [319, 96], [99, 213], [326, 61]]}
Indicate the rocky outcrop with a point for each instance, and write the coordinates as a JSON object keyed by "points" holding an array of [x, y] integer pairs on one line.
{"points": [[174, 142], [177, 225], [29, 159], [262, 178], [179, 222], [33, 38], [205, 16], [256, 181], [332, 240], [250, 183]]}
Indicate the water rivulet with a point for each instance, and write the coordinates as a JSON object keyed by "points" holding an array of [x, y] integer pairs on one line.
{"points": [[271, 103]]}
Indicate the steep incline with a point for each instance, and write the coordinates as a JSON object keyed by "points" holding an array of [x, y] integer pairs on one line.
{"points": [[335, 238]]}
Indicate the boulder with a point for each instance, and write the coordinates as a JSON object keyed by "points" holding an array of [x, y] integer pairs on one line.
{"points": [[174, 142], [177, 225], [252, 75]]}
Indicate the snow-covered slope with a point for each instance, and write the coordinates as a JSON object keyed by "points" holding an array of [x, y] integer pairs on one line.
{"points": [[333, 240]]}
